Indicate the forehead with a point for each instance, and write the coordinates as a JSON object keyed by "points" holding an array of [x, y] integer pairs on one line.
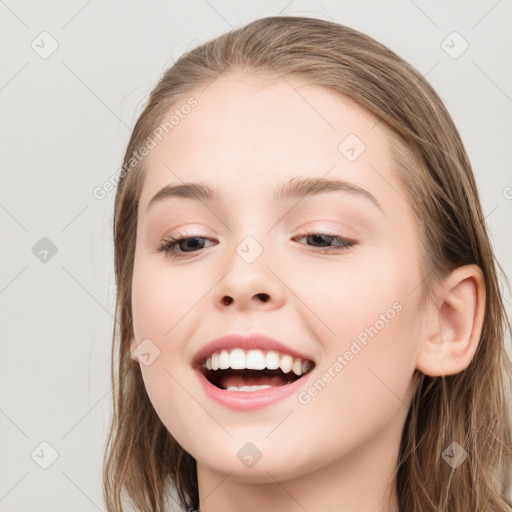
{"points": [[248, 132]]}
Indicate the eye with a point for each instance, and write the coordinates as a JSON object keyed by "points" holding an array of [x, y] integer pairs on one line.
{"points": [[341, 243], [179, 245]]}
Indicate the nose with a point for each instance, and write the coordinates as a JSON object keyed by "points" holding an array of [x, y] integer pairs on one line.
{"points": [[228, 299], [250, 284]]}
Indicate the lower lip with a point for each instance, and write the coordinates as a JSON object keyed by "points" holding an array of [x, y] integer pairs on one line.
{"points": [[248, 400]]}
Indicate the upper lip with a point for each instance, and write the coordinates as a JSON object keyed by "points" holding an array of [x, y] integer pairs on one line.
{"points": [[248, 341]]}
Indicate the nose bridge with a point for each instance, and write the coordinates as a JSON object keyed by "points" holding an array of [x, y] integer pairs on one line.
{"points": [[254, 234], [251, 228]]}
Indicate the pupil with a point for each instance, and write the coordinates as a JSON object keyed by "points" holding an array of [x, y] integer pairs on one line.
{"points": [[320, 237], [195, 239]]}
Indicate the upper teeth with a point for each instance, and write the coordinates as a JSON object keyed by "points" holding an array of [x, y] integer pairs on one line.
{"points": [[239, 359]]}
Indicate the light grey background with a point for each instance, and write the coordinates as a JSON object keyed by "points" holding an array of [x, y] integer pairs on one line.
{"points": [[66, 120]]}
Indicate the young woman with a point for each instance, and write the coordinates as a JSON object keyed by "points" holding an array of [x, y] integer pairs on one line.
{"points": [[309, 312]]}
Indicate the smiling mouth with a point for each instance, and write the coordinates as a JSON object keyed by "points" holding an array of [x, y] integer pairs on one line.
{"points": [[257, 371]]}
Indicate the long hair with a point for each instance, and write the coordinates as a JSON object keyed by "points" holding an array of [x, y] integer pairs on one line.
{"points": [[142, 459]]}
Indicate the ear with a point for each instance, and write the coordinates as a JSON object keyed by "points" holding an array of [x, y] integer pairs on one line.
{"points": [[455, 322]]}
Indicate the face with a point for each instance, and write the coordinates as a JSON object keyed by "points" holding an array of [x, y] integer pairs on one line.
{"points": [[332, 275]]}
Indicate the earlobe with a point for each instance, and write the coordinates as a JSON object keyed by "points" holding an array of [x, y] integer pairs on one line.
{"points": [[450, 348]]}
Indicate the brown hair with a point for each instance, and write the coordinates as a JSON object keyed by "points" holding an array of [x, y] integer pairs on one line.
{"points": [[144, 461]]}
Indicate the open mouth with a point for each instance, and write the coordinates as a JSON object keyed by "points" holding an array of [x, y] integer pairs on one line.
{"points": [[251, 370]]}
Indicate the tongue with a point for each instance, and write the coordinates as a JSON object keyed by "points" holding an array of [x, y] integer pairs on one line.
{"points": [[238, 380], [244, 380]]}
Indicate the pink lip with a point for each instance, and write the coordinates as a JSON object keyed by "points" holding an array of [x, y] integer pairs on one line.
{"points": [[251, 341]]}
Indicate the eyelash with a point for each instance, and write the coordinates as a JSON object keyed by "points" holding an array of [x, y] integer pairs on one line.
{"points": [[168, 245]]}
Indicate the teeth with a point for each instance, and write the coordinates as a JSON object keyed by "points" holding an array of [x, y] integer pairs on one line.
{"points": [[256, 360], [215, 361], [224, 361], [273, 360], [248, 388], [286, 363], [239, 359]]}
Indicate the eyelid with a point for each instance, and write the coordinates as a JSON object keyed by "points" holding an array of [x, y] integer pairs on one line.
{"points": [[168, 245], [329, 227]]}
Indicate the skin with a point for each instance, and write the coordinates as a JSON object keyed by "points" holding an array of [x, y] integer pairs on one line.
{"points": [[247, 136]]}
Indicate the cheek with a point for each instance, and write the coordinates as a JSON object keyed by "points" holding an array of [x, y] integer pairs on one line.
{"points": [[161, 298], [346, 296], [364, 380], [369, 320], [160, 302], [152, 309]]}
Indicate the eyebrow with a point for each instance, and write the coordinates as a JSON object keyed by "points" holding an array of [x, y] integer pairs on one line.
{"points": [[294, 189]]}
